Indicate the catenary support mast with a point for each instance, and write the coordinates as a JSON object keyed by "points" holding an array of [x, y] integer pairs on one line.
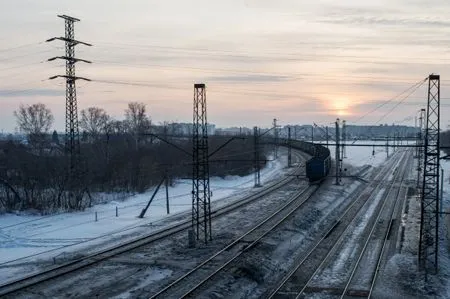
{"points": [[429, 225], [201, 195]]}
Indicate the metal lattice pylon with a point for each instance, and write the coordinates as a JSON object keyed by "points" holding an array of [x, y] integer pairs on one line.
{"points": [[72, 141], [201, 196], [429, 235]]}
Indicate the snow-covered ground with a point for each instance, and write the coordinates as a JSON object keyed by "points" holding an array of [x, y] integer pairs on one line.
{"points": [[29, 236], [401, 277], [35, 239]]}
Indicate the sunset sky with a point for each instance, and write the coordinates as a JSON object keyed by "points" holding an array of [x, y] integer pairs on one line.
{"points": [[298, 61]]}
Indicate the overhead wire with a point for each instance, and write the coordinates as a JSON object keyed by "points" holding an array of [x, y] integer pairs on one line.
{"points": [[389, 100], [21, 46], [286, 77], [256, 54], [402, 100]]}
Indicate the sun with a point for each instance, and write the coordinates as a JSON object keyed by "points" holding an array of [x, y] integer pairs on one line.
{"points": [[340, 105]]}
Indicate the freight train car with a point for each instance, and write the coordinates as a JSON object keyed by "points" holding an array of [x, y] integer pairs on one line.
{"points": [[318, 167]]}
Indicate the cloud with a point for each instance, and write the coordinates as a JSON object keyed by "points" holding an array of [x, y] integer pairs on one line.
{"points": [[13, 93], [248, 78], [385, 21]]}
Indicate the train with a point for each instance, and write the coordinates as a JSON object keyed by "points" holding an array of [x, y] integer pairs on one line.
{"points": [[319, 165]]}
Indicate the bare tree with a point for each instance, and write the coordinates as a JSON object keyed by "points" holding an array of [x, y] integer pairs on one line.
{"points": [[137, 120], [35, 120], [94, 121]]}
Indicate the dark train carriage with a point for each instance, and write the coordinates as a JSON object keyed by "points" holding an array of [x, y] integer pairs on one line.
{"points": [[318, 167]]}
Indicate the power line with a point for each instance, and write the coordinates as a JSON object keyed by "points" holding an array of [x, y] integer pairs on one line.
{"points": [[288, 76], [24, 55], [21, 46], [294, 56], [402, 100], [390, 100]]}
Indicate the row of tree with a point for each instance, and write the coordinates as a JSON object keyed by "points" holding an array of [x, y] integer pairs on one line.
{"points": [[116, 156]]}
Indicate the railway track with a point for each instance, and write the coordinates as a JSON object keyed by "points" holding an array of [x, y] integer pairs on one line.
{"points": [[359, 284], [206, 271], [91, 259], [297, 281]]}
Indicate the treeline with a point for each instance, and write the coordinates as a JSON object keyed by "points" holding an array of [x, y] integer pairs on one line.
{"points": [[116, 156]]}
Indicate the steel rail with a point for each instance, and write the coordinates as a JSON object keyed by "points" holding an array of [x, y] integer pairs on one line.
{"points": [[344, 234], [308, 191], [326, 235], [368, 238], [378, 266], [77, 264]]}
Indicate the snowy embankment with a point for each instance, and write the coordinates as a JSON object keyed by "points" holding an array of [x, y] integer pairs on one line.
{"points": [[28, 238], [401, 277]]}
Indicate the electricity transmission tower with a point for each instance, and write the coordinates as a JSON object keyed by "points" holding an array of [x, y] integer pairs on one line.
{"points": [[201, 196], [72, 141], [429, 224]]}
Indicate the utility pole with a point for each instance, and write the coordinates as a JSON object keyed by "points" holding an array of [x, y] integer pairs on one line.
{"points": [[387, 147], [344, 132], [338, 159], [442, 191], [167, 192], [72, 142], [275, 128], [429, 224], [326, 132], [256, 155], [420, 149], [201, 194], [289, 147], [416, 150]]}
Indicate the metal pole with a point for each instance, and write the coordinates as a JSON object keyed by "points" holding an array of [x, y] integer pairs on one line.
{"points": [[312, 133], [167, 193], [387, 147], [337, 152], [256, 156], [326, 130], [289, 147], [275, 127], [144, 210], [442, 191], [344, 129]]}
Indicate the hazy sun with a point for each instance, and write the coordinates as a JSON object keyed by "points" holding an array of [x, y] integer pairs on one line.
{"points": [[340, 105]]}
